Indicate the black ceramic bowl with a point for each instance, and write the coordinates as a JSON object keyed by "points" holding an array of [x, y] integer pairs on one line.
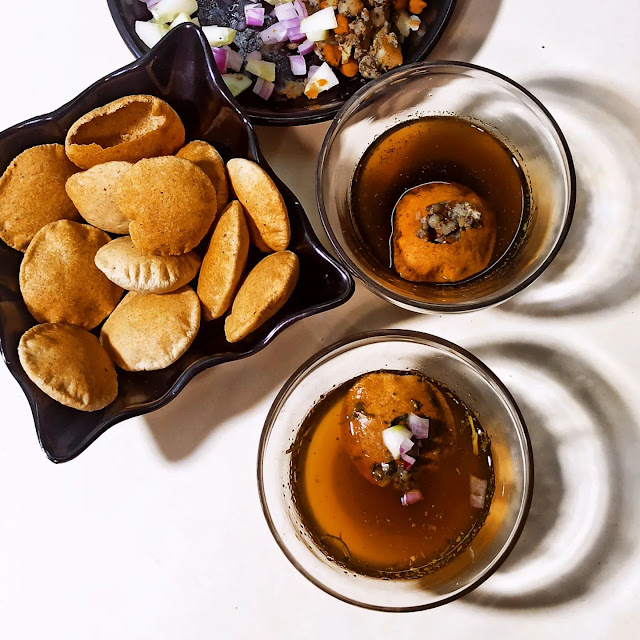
{"points": [[179, 70], [299, 110]]}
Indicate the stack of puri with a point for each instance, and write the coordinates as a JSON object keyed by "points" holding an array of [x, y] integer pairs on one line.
{"points": [[109, 224]]}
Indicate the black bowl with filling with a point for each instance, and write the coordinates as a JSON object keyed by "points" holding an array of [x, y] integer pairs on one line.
{"points": [[180, 71], [282, 111]]}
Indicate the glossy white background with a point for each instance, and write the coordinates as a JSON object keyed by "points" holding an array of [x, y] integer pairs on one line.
{"points": [[155, 532]]}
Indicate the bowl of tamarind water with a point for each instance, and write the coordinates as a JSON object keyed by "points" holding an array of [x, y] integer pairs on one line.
{"points": [[445, 187]]}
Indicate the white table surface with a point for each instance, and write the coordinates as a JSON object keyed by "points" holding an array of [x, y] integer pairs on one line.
{"points": [[139, 538]]}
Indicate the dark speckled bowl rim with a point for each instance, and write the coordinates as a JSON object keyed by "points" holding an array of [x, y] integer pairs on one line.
{"points": [[207, 362], [399, 299], [303, 116], [473, 362]]}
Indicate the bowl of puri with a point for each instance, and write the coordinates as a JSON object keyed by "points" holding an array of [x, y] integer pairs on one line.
{"points": [[144, 239], [395, 471], [445, 187]]}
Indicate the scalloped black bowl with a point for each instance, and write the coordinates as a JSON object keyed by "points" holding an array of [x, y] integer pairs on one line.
{"points": [[179, 70], [301, 110]]}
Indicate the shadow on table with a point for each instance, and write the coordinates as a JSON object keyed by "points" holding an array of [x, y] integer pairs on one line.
{"points": [[229, 390], [597, 268], [584, 519], [470, 25]]}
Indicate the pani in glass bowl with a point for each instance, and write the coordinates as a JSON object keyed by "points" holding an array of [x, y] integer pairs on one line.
{"points": [[395, 471]]}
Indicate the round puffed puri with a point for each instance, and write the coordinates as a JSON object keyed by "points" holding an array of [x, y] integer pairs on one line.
{"points": [[224, 262], [171, 204], [133, 270], [59, 280], [268, 219], [128, 129], [210, 161], [69, 365], [262, 294], [92, 193], [149, 331], [32, 194]]}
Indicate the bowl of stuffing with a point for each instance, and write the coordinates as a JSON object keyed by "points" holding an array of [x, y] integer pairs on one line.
{"points": [[293, 63]]}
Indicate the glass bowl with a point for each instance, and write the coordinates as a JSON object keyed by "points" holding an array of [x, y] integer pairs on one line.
{"points": [[476, 385], [482, 97]]}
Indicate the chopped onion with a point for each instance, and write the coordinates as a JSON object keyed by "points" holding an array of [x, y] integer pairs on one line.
{"points": [[301, 9], [293, 25], [317, 36], [263, 88], [234, 59], [275, 33], [298, 65], [166, 11], [411, 497], [237, 82], [478, 491], [254, 55], [219, 36], [297, 37], [320, 21], [312, 71], [151, 33], [419, 426], [254, 15], [182, 18], [262, 69], [220, 56], [150, 3], [393, 437], [306, 47], [285, 12]]}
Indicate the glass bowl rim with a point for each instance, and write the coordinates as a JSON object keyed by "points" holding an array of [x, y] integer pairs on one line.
{"points": [[426, 339], [399, 299]]}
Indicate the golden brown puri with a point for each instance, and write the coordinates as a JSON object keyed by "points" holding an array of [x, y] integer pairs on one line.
{"points": [[59, 280], [224, 262], [127, 129], [263, 293], [32, 194], [92, 193], [69, 365], [150, 331], [375, 400], [171, 204], [267, 215], [210, 161], [419, 260], [133, 270]]}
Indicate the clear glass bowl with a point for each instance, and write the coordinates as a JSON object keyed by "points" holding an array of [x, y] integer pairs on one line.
{"points": [[474, 383], [479, 95]]}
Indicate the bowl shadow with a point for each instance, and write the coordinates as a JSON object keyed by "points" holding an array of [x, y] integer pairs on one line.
{"points": [[597, 267], [228, 391], [586, 440]]}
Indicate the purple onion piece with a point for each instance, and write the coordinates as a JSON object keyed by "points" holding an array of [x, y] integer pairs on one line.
{"points": [[411, 497], [478, 492], [418, 425]]}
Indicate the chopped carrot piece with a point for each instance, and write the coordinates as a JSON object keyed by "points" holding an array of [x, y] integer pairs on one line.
{"points": [[332, 54], [343, 25], [349, 68], [398, 5], [323, 4], [416, 6]]}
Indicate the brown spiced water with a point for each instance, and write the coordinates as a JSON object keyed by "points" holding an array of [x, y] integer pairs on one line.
{"points": [[436, 150], [363, 525]]}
